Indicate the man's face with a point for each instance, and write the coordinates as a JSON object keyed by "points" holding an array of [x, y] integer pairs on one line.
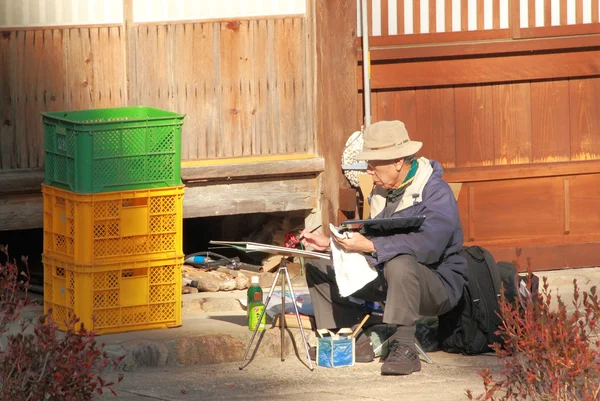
{"points": [[387, 174]]}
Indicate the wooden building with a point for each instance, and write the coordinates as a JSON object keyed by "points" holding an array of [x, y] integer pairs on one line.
{"points": [[253, 78], [504, 93]]}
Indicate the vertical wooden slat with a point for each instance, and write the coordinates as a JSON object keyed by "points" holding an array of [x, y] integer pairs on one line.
{"points": [[374, 107], [579, 11], [567, 212], [385, 106], [448, 16], [206, 93], [184, 89], [435, 124], [384, 18], [432, 16], [25, 86], [398, 105], [584, 100], [464, 15], [262, 91], [405, 109], [480, 15], [246, 105], [550, 121], [234, 61], [514, 21], [496, 14], [547, 12], [563, 12], [290, 87], [531, 8], [595, 10], [474, 125], [400, 16], [417, 16], [471, 202], [273, 117], [512, 123], [107, 66], [7, 111]]}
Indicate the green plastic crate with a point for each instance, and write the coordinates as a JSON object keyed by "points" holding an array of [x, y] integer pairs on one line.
{"points": [[114, 149]]}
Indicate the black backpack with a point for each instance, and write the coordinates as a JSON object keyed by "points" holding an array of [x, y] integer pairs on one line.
{"points": [[470, 327]]}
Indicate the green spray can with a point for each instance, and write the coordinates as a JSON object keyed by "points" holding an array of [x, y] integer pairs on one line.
{"points": [[255, 310]]}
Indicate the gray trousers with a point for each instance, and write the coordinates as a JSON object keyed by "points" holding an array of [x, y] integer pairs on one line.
{"points": [[410, 290]]}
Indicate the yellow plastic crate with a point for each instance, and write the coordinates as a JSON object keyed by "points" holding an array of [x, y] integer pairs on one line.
{"points": [[117, 297], [113, 227]]}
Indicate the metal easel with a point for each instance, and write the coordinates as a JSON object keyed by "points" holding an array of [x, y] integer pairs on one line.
{"points": [[285, 277]]}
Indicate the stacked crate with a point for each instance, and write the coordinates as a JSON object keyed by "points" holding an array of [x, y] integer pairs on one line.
{"points": [[113, 201]]}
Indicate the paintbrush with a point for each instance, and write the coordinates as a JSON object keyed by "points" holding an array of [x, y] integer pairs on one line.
{"points": [[311, 231]]}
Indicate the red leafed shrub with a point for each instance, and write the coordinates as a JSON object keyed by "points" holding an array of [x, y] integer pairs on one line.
{"points": [[549, 353], [44, 364]]}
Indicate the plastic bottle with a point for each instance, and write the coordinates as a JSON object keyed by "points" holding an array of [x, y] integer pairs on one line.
{"points": [[256, 310], [253, 289]]}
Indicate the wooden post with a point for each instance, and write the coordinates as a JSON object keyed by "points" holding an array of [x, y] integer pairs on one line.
{"points": [[336, 105]]}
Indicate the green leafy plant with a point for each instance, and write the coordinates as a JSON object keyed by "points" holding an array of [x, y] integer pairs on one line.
{"points": [[548, 353], [43, 364]]}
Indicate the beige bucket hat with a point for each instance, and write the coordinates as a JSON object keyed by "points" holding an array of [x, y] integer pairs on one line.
{"points": [[387, 140]]}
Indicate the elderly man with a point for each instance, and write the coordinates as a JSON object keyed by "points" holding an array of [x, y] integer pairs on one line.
{"points": [[420, 272]]}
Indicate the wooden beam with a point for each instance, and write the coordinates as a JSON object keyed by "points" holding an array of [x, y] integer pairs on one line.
{"points": [[436, 37], [25, 211], [21, 181], [21, 212], [569, 30], [30, 180], [499, 47], [280, 168], [548, 257], [257, 196], [336, 105], [516, 68], [517, 171]]}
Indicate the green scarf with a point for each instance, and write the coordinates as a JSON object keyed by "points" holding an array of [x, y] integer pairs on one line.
{"points": [[394, 194]]}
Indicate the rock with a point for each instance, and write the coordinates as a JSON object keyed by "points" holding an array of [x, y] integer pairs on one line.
{"points": [[241, 281]]}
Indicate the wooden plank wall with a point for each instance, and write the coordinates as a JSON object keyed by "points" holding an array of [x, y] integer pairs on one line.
{"points": [[51, 70], [242, 84], [528, 154]]}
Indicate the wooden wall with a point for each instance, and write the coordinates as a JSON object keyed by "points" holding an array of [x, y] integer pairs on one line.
{"points": [[52, 70], [242, 84], [528, 155]]}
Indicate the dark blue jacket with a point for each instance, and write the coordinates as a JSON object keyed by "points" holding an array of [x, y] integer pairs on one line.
{"points": [[437, 243]]}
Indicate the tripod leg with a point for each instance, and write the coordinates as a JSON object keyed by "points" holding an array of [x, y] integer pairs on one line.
{"points": [[282, 317], [260, 319], [287, 277]]}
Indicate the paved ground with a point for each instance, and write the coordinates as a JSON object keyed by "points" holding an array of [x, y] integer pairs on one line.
{"points": [[201, 359], [269, 378]]}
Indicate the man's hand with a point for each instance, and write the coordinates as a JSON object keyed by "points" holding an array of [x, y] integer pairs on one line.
{"points": [[356, 243], [316, 241]]}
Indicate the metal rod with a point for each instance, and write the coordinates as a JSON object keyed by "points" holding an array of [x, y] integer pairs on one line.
{"points": [[287, 276], [366, 63], [283, 268]]}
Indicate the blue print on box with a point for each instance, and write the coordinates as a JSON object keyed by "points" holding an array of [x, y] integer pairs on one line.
{"points": [[335, 350]]}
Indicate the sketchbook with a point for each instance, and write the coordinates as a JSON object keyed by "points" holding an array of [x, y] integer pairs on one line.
{"points": [[273, 249]]}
